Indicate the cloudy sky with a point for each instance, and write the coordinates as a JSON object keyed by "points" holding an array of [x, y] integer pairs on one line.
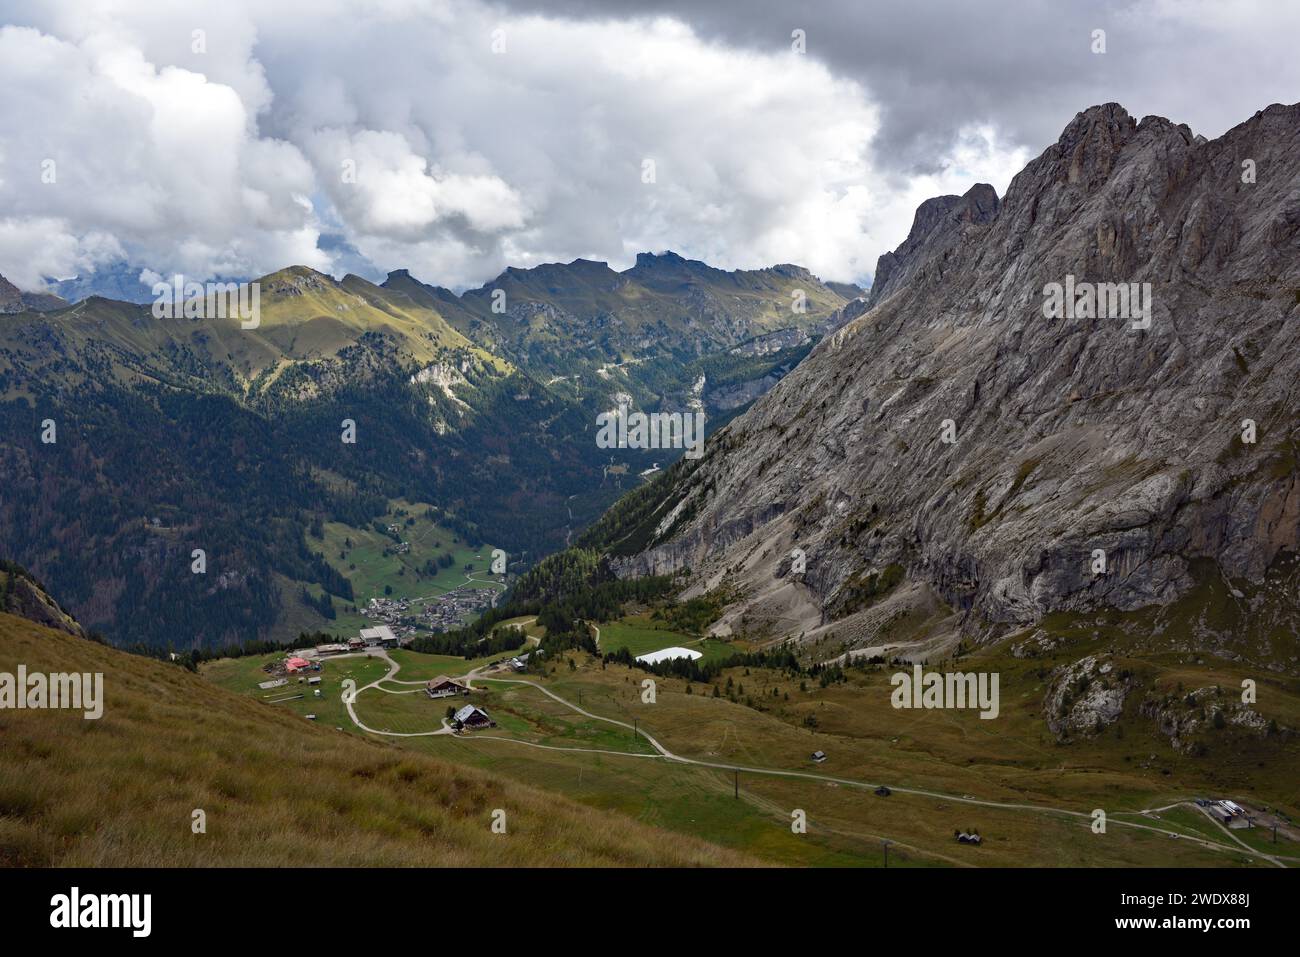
{"points": [[457, 137]]}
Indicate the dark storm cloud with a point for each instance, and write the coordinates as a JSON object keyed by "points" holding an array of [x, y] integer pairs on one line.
{"points": [[1024, 66]]}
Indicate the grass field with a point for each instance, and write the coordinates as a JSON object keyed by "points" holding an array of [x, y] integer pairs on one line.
{"points": [[958, 754], [845, 825], [640, 636], [243, 675], [276, 790], [419, 667], [519, 711], [955, 753]]}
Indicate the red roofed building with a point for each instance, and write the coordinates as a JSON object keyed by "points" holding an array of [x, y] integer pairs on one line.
{"points": [[297, 664]]}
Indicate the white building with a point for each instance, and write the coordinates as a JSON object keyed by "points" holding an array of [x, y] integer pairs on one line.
{"points": [[380, 635]]}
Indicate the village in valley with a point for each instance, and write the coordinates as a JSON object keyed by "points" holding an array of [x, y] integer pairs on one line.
{"points": [[414, 571], [439, 613]]}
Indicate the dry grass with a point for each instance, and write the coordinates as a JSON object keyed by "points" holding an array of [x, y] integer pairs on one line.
{"points": [[277, 791], [1012, 760]]}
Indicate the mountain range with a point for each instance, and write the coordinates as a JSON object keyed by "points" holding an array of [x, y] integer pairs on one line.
{"points": [[171, 434]]}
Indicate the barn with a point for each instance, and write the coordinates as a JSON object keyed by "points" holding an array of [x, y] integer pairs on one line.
{"points": [[472, 716], [444, 687]]}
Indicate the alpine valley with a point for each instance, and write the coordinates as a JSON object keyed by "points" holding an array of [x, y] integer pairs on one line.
{"points": [[959, 579], [167, 435]]}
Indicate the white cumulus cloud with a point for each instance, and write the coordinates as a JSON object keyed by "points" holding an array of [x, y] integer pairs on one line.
{"points": [[451, 138]]}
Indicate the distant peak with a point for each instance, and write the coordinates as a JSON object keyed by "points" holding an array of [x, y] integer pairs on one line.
{"points": [[667, 257], [295, 270], [791, 269]]}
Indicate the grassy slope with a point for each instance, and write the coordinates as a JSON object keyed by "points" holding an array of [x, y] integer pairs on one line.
{"points": [[640, 635], [1013, 760], [373, 570], [276, 789]]}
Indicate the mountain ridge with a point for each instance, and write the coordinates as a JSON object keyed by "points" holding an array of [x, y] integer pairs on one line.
{"points": [[1072, 436]]}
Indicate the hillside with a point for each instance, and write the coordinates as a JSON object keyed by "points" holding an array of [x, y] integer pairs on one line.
{"points": [[1087, 717], [955, 439], [306, 319], [120, 791], [133, 440]]}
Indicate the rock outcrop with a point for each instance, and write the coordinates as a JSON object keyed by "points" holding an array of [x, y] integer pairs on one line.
{"points": [[13, 300], [939, 225], [24, 596], [1085, 697]]}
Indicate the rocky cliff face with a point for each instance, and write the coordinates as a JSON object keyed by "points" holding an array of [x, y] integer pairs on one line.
{"points": [[1000, 456], [22, 595], [13, 300]]}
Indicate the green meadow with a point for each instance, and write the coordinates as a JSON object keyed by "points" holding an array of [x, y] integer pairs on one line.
{"points": [[370, 560], [640, 635], [940, 764]]}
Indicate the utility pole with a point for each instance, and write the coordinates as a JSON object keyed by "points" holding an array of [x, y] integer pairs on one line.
{"points": [[885, 844], [634, 731], [737, 785]]}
